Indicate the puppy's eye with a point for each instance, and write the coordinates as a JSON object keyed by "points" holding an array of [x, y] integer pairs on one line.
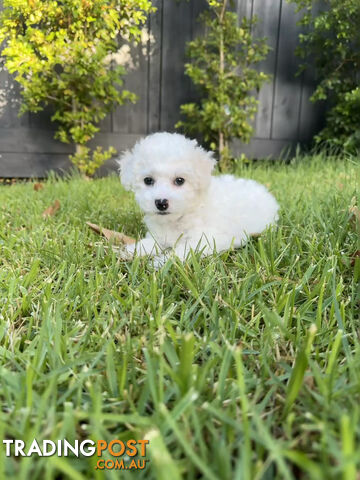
{"points": [[179, 181], [149, 181]]}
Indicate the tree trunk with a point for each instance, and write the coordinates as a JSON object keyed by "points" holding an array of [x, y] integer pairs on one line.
{"points": [[224, 153], [221, 148], [222, 142], [79, 148]]}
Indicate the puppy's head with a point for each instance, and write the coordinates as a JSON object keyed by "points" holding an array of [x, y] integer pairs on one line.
{"points": [[168, 173]]}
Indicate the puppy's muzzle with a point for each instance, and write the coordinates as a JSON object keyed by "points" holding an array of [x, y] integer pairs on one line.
{"points": [[162, 205]]}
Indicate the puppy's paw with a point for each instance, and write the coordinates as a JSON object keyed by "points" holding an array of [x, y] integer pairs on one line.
{"points": [[124, 252], [159, 261]]}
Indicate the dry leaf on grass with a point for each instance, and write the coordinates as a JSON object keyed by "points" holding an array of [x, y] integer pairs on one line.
{"points": [[38, 186], [111, 235], [50, 211]]}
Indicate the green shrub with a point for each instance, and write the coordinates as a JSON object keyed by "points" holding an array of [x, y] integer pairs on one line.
{"points": [[60, 53], [221, 65], [332, 41]]}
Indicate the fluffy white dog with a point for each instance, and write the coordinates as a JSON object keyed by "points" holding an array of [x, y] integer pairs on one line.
{"points": [[185, 206]]}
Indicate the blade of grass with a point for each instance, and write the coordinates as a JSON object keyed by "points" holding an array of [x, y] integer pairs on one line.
{"points": [[298, 371], [188, 449], [165, 466]]}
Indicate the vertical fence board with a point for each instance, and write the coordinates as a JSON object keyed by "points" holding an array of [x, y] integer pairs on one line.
{"points": [[197, 29], [244, 8], [10, 100], [268, 14], [287, 85], [311, 114], [131, 118], [154, 66], [175, 85]]}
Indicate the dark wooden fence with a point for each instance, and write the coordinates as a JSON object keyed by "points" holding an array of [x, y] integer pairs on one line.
{"points": [[156, 73]]}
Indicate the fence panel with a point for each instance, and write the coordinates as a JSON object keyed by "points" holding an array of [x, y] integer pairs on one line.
{"points": [[156, 74]]}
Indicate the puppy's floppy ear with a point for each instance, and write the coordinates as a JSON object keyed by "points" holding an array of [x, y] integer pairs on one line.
{"points": [[126, 170], [207, 161], [201, 164]]}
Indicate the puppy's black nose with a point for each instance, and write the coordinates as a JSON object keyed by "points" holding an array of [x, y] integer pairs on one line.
{"points": [[162, 205]]}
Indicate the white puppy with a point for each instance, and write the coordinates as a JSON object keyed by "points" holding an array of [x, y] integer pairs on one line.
{"points": [[185, 206]]}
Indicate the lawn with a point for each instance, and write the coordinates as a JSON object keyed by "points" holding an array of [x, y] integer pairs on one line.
{"points": [[241, 365]]}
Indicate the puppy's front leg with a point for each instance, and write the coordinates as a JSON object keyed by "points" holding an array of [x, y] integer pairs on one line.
{"points": [[145, 246], [206, 245], [183, 249]]}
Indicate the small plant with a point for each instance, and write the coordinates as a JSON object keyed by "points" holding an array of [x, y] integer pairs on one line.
{"points": [[332, 41], [88, 162], [222, 67], [60, 53]]}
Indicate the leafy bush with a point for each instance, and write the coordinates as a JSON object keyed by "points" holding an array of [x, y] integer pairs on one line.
{"points": [[332, 41], [221, 65], [60, 53]]}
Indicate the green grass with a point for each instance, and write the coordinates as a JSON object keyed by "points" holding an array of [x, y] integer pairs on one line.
{"points": [[241, 365]]}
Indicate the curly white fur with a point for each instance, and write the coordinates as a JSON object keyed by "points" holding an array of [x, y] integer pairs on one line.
{"points": [[206, 212]]}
